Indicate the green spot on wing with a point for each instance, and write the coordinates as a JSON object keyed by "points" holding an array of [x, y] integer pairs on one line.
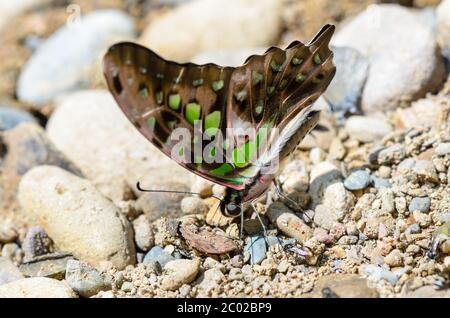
{"points": [[181, 152], [212, 122], [174, 101], [297, 61], [217, 86], [223, 169], [256, 77], [317, 59], [270, 89], [159, 97], [143, 93], [259, 107], [275, 66], [192, 112], [197, 82], [151, 122], [300, 78]]}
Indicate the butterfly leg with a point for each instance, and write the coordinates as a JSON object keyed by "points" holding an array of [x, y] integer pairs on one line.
{"points": [[259, 218], [280, 192], [242, 224]]}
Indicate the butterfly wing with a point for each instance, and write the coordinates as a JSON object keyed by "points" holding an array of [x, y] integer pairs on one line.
{"points": [[268, 91], [159, 96]]}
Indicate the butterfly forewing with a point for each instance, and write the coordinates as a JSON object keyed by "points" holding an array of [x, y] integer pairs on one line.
{"points": [[268, 91]]}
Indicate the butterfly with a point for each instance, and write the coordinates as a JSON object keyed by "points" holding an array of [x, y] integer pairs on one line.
{"points": [[270, 95]]}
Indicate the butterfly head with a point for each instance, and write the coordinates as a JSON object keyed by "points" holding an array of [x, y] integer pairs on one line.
{"points": [[231, 204]]}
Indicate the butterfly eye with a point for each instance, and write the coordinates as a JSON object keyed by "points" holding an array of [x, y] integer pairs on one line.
{"points": [[232, 209]]}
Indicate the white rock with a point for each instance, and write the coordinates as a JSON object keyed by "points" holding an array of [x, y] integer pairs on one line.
{"points": [[10, 9], [76, 216], [339, 199], [179, 272], [443, 149], [422, 113], [367, 129], [8, 271], [91, 130], [36, 287], [399, 70], [143, 234], [294, 176], [204, 25], [443, 22], [322, 175], [66, 61]]}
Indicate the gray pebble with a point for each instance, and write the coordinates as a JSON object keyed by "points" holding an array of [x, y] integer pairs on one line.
{"points": [[420, 204], [380, 183], [257, 249], [11, 117], [157, 254], [36, 243], [127, 287], [413, 229], [357, 180], [84, 279], [378, 273]]}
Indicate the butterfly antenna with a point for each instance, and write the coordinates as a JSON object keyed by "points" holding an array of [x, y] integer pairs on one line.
{"points": [[138, 186]]}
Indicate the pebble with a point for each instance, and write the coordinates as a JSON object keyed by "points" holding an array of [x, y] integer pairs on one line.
{"points": [[193, 205], [325, 217], [49, 265], [420, 204], [322, 175], [380, 183], [344, 286], [367, 129], [66, 61], [11, 117], [322, 236], [357, 180], [413, 229], [295, 177], [317, 155], [12, 252], [11, 9], [127, 287], [443, 149], [288, 223], [394, 64], [257, 249], [202, 187], [210, 281], [143, 234], [378, 273], [84, 280], [84, 122], [422, 113], [195, 27], [443, 26], [8, 233], [340, 200], [8, 271], [36, 287], [157, 254], [394, 258], [425, 170], [179, 272], [77, 217], [352, 68], [36, 243], [390, 155], [28, 146]]}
